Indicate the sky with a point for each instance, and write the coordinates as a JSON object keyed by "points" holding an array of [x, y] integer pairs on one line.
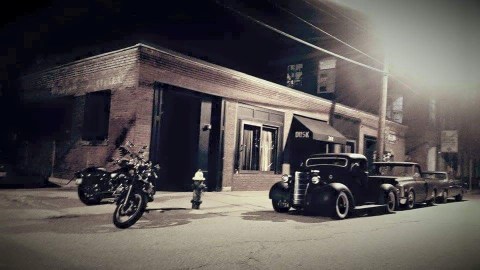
{"points": [[434, 43]]}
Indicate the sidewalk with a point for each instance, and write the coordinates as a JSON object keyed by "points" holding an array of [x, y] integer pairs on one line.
{"points": [[64, 201]]}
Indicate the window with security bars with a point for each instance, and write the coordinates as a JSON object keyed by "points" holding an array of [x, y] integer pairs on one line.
{"points": [[96, 116], [294, 75], [326, 77], [395, 109], [258, 148]]}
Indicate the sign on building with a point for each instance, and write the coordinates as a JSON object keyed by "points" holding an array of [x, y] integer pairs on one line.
{"points": [[449, 140]]}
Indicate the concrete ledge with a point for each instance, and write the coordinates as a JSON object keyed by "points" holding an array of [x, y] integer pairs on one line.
{"points": [[66, 183]]}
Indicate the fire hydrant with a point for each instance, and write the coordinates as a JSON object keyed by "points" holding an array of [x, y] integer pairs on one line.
{"points": [[198, 188]]}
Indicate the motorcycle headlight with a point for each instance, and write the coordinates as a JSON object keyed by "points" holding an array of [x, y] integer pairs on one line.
{"points": [[285, 178], [315, 180]]}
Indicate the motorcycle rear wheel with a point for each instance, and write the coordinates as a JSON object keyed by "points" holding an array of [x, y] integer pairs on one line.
{"points": [[129, 211], [87, 198]]}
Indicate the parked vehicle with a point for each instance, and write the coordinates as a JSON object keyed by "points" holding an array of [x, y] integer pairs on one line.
{"points": [[137, 192], [443, 186], [96, 183], [407, 178], [335, 185]]}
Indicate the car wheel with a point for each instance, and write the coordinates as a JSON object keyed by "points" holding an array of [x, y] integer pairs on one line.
{"points": [[342, 206], [410, 200], [280, 206], [434, 197], [391, 201], [444, 197], [459, 197]]}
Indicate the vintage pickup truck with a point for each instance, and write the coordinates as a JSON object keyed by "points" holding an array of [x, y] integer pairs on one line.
{"points": [[334, 185], [443, 186], [407, 178]]}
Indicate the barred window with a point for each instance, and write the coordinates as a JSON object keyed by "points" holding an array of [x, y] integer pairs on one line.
{"points": [[294, 75]]}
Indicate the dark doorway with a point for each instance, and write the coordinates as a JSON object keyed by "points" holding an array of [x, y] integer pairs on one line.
{"points": [[185, 137], [370, 144]]}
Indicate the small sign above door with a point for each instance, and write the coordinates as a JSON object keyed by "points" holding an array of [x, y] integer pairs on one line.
{"points": [[302, 134]]}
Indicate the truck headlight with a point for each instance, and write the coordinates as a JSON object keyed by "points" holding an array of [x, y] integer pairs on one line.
{"points": [[315, 180], [285, 178]]}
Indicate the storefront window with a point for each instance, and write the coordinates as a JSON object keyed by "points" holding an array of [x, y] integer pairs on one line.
{"points": [[258, 148]]}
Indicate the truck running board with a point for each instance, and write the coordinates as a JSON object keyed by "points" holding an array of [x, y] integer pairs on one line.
{"points": [[371, 209]]}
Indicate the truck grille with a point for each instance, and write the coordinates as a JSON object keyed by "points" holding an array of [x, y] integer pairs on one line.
{"points": [[300, 187]]}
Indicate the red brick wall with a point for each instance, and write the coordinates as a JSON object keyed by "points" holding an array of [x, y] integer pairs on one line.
{"points": [[130, 109], [235, 87]]}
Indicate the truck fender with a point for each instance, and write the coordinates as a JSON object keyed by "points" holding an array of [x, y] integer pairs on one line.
{"points": [[279, 191], [321, 198]]}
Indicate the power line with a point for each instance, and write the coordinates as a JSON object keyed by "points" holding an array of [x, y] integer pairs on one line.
{"points": [[393, 77], [325, 32], [300, 40]]}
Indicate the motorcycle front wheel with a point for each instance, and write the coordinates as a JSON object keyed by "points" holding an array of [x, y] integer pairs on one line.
{"points": [[130, 210]]}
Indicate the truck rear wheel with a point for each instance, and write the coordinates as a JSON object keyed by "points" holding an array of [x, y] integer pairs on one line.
{"points": [[388, 198]]}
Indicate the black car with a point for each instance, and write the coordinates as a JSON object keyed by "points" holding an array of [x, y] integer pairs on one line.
{"points": [[407, 178], [333, 184]]}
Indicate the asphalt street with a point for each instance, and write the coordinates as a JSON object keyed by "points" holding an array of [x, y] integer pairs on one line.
{"points": [[51, 229]]}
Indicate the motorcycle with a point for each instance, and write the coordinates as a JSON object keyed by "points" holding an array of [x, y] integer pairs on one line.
{"points": [[96, 183], [137, 192]]}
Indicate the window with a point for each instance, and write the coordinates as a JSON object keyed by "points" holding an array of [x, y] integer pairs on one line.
{"points": [[96, 116], [350, 147], [395, 109], [311, 162], [294, 75], [326, 76], [258, 147]]}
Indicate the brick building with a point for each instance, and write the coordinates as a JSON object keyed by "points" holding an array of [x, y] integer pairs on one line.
{"points": [[244, 131]]}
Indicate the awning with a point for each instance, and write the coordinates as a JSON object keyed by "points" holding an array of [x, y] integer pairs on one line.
{"points": [[317, 130]]}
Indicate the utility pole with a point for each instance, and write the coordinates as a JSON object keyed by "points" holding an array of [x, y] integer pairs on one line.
{"points": [[382, 111]]}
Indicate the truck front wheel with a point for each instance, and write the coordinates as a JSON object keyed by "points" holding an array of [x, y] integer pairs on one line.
{"points": [[342, 206], [280, 206]]}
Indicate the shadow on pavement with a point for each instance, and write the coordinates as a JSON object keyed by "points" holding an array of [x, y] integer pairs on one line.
{"points": [[283, 217], [102, 223]]}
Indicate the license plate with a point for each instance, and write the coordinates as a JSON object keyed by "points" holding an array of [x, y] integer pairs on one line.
{"points": [[78, 181]]}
